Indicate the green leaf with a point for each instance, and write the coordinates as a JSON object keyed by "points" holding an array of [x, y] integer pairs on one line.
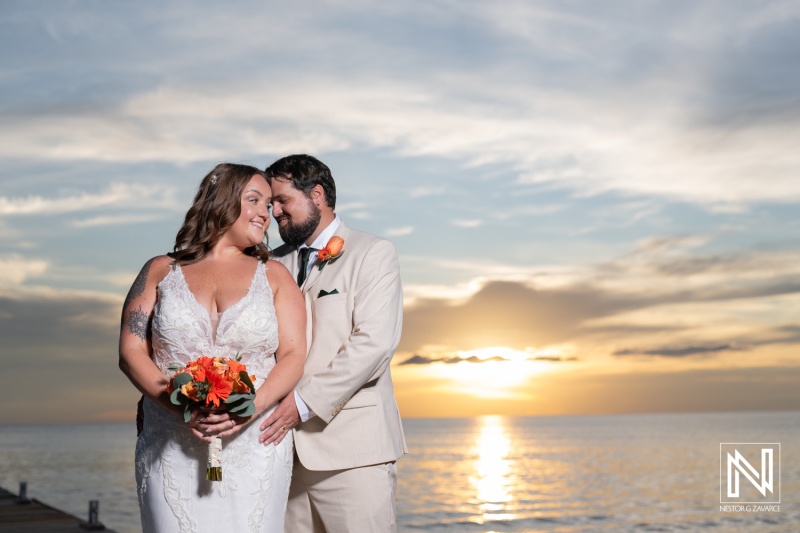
{"points": [[233, 405], [250, 411], [330, 260], [187, 414], [233, 398], [181, 379], [239, 408], [200, 389], [177, 398], [246, 379]]}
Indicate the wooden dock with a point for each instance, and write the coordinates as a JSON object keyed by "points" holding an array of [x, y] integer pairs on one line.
{"points": [[34, 516]]}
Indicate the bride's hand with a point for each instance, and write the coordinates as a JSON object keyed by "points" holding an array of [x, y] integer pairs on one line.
{"points": [[206, 424], [197, 423]]}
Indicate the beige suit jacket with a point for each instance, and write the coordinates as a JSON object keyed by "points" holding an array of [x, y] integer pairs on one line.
{"points": [[352, 336]]}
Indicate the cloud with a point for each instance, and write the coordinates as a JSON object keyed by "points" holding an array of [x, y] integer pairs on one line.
{"points": [[425, 360], [351, 206], [46, 323], [677, 257], [399, 232], [529, 210], [15, 269], [471, 223], [508, 313], [682, 103], [121, 279], [419, 192], [736, 296], [526, 109], [64, 341], [552, 358], [111, 220], [785, 334], [682, 351], [116, 195], [682, 263]]}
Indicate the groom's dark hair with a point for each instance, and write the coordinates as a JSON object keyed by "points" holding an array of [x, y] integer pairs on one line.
{"points": [[305, 172]]}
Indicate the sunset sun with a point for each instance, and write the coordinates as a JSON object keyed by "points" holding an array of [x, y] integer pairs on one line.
{"points": [[495, 372]]}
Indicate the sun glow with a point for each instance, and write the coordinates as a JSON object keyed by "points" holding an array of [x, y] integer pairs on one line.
{"points": [[490, 372]]}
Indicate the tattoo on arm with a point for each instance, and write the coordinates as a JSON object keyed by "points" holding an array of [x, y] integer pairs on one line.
{"points": [[138, 285], [138, 323]]}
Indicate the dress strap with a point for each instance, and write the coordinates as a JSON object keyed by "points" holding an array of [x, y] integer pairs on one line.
{"points": [[260, 279], [172, 278]]}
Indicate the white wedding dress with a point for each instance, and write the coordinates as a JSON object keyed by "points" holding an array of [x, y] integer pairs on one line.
{"points": [[174, 495]]}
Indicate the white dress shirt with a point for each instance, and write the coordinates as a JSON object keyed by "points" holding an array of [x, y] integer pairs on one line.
{"points": [[319, 243]]}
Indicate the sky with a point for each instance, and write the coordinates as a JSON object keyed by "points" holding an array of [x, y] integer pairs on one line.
{"points": [[595, 204]]}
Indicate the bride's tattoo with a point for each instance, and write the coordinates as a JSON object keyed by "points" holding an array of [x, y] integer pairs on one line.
{"points": [[138, 323], [138, 285]]}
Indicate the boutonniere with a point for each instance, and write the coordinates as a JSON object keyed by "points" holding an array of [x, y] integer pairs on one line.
{"points": [[331, 252]]}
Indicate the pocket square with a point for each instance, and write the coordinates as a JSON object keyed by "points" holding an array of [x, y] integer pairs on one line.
{"points": [[326, 293]]}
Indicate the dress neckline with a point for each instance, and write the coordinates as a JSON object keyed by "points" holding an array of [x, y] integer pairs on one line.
{"points": [[220, 314]]}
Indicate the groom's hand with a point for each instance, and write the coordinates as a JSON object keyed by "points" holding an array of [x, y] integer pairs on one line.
{"points": [[278, 424]]}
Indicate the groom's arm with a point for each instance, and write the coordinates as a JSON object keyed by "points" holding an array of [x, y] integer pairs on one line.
{"points": [[377, 324]]}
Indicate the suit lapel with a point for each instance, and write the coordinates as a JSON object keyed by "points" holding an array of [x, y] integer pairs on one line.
{"points": [[291, 263], [315, 273]]}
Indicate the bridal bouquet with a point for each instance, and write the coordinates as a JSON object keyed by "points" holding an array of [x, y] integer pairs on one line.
{"points": [[213, 381]]}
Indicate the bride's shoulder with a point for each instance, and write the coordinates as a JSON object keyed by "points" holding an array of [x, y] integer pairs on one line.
{"points": [[278, 275], [276, 270], [145, 284], [284, 288], [157, 268]]}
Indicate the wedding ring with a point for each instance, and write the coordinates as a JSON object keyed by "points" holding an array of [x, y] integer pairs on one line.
{"points": [[283, 428], [232, 423]]}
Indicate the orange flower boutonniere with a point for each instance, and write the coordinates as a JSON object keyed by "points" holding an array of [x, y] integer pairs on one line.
{"points": [[331, 252]]}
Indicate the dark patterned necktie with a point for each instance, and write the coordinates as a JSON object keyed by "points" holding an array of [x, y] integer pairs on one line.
{"points": [[304, 253]]}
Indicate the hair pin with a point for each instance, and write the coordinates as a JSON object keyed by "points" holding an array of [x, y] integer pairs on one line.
{"points": [[213, 179]]}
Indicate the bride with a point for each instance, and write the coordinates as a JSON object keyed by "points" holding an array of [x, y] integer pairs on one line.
{"points": [[216, 295]]}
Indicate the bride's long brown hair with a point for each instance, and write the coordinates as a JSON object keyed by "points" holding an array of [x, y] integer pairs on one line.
{"points": [[216, 206]]}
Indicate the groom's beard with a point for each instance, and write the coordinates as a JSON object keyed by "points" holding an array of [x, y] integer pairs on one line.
{"points": [[295, 234]]}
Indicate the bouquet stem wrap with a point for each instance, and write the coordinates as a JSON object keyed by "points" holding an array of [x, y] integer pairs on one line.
{"points": [[214, 470]]}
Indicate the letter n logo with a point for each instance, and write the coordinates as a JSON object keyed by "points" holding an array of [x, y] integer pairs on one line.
{"points": [[743, 479]]}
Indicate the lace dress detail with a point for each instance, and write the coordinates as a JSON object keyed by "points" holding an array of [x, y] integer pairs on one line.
{"points": [[171, 462]]}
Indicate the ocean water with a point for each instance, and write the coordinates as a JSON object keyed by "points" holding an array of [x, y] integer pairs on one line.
{"points": [[491, 474]]}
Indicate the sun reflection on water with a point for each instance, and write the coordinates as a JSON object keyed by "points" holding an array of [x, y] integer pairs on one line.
{"points": [[492, 473]]}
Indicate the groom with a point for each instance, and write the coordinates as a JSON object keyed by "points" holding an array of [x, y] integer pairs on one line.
{"points": [[347, 427]]}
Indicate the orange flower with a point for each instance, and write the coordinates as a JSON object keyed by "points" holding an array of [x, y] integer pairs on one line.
{"points": [[205, 362], [190, 391], [332, 249], [234, 368], [218, 389], [198, 369], [240, 387], [198, 373]]}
